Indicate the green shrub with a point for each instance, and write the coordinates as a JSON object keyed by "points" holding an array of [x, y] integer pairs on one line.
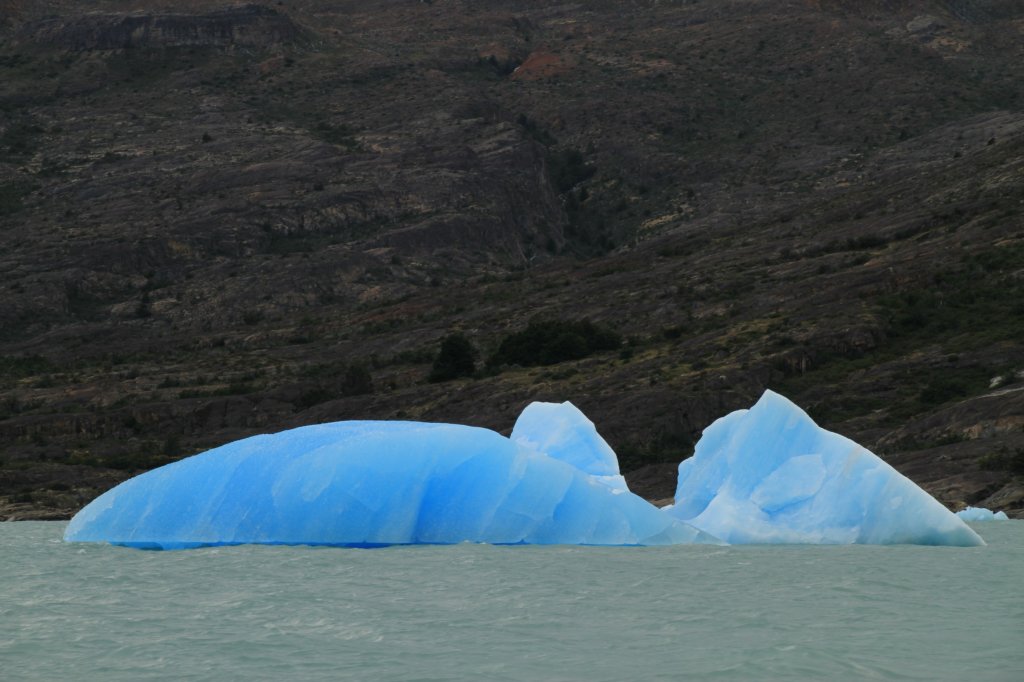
{"points": [[665, 445], [535, 131], [314, 396], [20, 366], [337, 135], [978, 300], [552, 341], [1004, 461], [11, 194], [491, 65], [568, 168], [19, 140], [943, 389], [456, 358], [357, 381], [172, 447]]}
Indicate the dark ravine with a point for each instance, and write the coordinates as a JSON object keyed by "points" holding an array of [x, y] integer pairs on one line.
{"points": [[210, 214]]}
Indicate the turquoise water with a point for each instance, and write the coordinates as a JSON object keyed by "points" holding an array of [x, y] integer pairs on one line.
{"points": [[476, 612]]}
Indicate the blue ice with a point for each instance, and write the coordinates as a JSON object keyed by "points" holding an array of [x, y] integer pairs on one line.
{"points": [[981, 514], [379, 483], [771, 475], [563, 432]]}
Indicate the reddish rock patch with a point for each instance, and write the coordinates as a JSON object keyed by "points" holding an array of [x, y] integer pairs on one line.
{"points": [[540, 64]]}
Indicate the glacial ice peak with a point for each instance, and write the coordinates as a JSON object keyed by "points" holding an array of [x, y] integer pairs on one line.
{"points": [[771, 475], [561, 431]]}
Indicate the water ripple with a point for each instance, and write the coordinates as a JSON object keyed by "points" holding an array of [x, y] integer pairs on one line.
{"points": [[93, 612]]}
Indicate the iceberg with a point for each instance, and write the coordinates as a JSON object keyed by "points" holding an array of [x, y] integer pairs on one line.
{"points": [[764, 475], [771, 475], [981, 514], [563, 432], [372, 483]]}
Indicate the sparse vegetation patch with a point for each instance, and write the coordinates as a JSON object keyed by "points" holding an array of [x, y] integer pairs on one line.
{"points": [[549, 342]]}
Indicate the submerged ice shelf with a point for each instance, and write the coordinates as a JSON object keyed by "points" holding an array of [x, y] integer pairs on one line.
{"points": [[771, 475], [385, 483], [764, 475]]}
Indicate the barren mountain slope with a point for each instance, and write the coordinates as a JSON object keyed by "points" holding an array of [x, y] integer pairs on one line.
{"points": [[217, 221]]}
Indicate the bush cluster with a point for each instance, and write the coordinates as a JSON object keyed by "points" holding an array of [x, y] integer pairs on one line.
{"points": [[456, 358], [568, 168], [1004, 461], [353, 381], [549, 342]]}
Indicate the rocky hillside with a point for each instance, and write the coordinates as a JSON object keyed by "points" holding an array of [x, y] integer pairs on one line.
{"points": [[223, 220]]}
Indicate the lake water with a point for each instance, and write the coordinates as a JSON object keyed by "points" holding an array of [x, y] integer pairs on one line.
{"points": [[477, 612]]}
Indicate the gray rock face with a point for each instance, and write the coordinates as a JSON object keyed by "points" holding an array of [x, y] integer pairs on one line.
{"points": [[247, 25], [925, 25]]}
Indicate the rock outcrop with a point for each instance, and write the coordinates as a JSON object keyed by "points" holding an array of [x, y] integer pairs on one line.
{"points": [[240, 26]]}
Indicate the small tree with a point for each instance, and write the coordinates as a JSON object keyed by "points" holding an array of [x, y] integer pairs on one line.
{"points": [[456, 358], [357, 381]]}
